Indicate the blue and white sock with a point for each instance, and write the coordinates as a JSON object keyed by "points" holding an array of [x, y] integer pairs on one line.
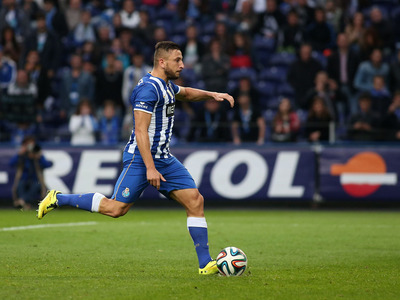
{"points": [[198, 231], [89, 202]]}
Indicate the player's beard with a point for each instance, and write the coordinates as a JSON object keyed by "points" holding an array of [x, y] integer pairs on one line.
{"points": [[171, 75]]}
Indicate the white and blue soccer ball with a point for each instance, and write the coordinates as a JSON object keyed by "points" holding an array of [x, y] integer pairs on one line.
{"points": [[231, 261]]}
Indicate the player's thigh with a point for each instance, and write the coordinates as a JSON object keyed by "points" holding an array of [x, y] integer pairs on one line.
{"points": [[191, 200], [130, 185]]}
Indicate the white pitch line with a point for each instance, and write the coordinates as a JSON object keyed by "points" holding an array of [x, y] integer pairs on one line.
{"points": [[28, 227]]}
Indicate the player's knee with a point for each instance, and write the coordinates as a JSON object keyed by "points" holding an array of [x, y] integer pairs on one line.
{"points": [[118, 212], [197, 204]]}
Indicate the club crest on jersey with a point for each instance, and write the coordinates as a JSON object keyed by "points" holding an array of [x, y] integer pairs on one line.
{"points": [[125, 193]]}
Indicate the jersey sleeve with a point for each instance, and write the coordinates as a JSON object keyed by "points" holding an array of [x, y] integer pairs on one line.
{"points": [[145, 98], [175, 88]]}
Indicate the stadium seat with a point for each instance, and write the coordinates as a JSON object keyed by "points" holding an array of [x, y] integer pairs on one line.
{"points": [[166, 24], [232, 85], [260, 42], [189, 76], [321, 58], [236, 74], [179, 39], [179, 28], [282, 59], [285, 90], [276, 74], [207, 28], [273, 103], [165, 14]]}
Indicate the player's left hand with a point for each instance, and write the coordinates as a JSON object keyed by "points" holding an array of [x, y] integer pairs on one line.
{"points": [[224, 96]]}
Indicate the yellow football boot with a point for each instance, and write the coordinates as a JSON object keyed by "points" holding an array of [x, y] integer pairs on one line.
{"points": [[48, 203], [209, 269]]}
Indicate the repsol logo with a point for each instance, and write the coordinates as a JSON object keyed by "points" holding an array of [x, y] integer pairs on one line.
{"points": [[97, 171]]}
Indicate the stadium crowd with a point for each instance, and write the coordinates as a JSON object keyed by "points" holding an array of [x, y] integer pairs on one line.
{"points": [[298, 69]]}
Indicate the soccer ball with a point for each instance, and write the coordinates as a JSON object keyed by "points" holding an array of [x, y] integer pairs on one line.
{"points": [[231, 261]]}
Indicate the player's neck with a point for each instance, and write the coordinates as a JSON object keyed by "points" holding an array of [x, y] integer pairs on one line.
{"points": [[159, 74]]}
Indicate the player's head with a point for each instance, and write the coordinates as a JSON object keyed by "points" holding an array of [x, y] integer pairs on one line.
{"points": [[168, 57]]}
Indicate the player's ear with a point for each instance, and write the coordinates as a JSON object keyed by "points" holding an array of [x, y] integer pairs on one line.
{"points": [[161, 62]]}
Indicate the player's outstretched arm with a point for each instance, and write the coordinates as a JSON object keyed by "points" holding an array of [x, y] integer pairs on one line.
{"points": [[193, 95], [142, 122]]}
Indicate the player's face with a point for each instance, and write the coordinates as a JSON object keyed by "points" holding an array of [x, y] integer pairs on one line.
{"points": [[174, 65]]}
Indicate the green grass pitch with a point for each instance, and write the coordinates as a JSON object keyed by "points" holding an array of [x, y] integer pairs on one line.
{"points": [[148, 254]]}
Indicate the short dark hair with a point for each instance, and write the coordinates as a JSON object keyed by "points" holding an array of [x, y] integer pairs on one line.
{"points": [[162, 47]]}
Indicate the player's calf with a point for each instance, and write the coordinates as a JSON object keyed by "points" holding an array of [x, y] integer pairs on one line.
{"points": [[113, 208]]}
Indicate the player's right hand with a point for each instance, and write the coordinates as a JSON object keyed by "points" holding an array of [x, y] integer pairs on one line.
{"points": [[154, 178]]}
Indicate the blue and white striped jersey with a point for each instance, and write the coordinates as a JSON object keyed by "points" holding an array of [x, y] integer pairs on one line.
{"points": [[153, 95]]}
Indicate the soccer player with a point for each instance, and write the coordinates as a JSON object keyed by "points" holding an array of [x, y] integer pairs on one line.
{"points": [[147, 158]]}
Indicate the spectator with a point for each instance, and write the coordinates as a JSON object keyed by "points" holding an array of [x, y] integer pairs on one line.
{"points": [[143, 33], [84, 31], [270, 21], [104, 38], [192, 10], [117, 25], [8, 71], [245, 86], [355, 30], [109, 125], [159, 35], [342, 67], [380, 96], [258, 6], [327, 89], [286, 123], [363, 125], [395, 73], [109, 82], [319, 33], [55, 19], [192, 49], [73, 14], [11, 47], [132, 75], [129, 16], [13, 16], [305, 12], [222, 34], [367, 70], [127, 46], [301, 74], [210, 125], [29, 185], [90, 54], [22, 86], [318, 119], [248, 125], [245, 17], [48, 46], [291, 35], [37, 75], [391, 121], [31, 9], [75, 84], [333, 14], [369, 41], [240, 51], [120, 55], [382, 27], [215, 68], [83, 125]]}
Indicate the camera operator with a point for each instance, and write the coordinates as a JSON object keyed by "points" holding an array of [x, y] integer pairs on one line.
{"points": [[29, 185]]}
